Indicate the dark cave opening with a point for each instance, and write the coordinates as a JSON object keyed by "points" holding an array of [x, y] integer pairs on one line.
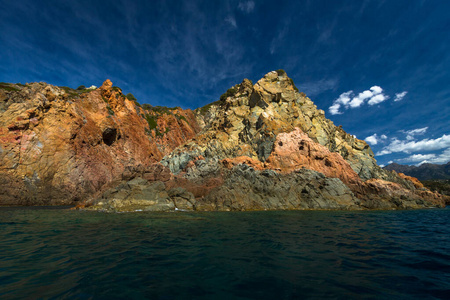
{"points": [[109, 136]]}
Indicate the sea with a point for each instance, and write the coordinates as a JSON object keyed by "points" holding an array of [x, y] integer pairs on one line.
{"points": [[57, 253]]}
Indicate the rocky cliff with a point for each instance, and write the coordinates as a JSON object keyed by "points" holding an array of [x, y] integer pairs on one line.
{"points": [[262, 146], [60, 146]]}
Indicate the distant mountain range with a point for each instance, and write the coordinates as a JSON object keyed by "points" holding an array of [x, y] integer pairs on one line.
{"points": [[422, 172]]}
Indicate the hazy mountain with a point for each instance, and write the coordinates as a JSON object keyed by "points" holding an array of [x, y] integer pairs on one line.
{"points": [[422, 172]]}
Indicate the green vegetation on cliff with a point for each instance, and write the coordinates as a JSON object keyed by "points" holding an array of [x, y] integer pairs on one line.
{"points": [[204, 109], [153, 113], [442, 186], [229, 93]]}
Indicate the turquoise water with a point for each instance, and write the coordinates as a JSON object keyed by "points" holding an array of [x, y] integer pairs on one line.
{"points": [[57, 253]]}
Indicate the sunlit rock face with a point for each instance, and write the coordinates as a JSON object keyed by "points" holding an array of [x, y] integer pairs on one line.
{"points": [[267, 146], [60, 146], [249, 119], [261, 146]]}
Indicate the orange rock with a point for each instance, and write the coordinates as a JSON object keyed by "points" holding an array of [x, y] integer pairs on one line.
{"points": [[229, 163], [174, 129], [59, 147], [295, 150], [107, 84], [414, 180]]}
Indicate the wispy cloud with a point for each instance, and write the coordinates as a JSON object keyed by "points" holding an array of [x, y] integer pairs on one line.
{"points": [[440, 158], [280, 36], [314, 88], [406, 146], [246, 6], [411, 144], [231, 20], [410, 134], [192, 59], [400, 96], [417, 157]]}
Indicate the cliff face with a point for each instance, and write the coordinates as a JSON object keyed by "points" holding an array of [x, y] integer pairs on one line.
{"points": [[267, 146], [262, 146], [58, 145], [249, 120]]}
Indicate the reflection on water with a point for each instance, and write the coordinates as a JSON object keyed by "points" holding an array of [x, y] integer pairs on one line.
{"points": [[224, 255]]}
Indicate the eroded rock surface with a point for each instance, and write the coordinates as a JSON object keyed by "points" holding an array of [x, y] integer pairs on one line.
{"points": [[261, 147], [60, 146]]}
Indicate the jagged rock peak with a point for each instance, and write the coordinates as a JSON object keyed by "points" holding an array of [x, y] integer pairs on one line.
{"points": [[107, 84], [278, 79]]}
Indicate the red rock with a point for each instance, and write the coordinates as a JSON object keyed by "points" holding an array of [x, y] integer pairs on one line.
{"points": [[229, 163], [60, 148], [295, 150], [415, 181]]}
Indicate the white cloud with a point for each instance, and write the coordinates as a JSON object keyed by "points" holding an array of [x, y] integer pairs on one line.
{"points": [[390, 162], [372, 139], [376, 90], [343, 99], [442, 158], [417, 131], [417, 157], [377, 99], [246, 6], [375, 139], [410, 134], [334, 109], [382, 166], [400, 96], [396, 145], [357, 101], [372, 96], [383, 152]]}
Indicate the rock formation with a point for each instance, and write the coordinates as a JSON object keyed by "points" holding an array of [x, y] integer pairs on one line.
{"points": [[262, 146], [60, 146]]}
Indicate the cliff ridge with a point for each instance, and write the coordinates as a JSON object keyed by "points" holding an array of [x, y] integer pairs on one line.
{"points": [[261, 146]]}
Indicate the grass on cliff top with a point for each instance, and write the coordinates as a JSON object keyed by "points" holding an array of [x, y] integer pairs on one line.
{"points": [[163, 109], [282, 72], [293, 85], [204, 109], [8, 87], [230, 92], [131, 97], [74, 93], [152, 113], [71, 92]]}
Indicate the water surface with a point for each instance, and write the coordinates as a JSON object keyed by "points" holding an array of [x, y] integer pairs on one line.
{"points": [[57, 253]]}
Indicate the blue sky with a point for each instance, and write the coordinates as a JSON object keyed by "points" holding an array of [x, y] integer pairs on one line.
{"points": [[354, 59]]}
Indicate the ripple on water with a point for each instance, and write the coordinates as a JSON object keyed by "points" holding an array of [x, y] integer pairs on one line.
{"points": [[248, 255]]}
